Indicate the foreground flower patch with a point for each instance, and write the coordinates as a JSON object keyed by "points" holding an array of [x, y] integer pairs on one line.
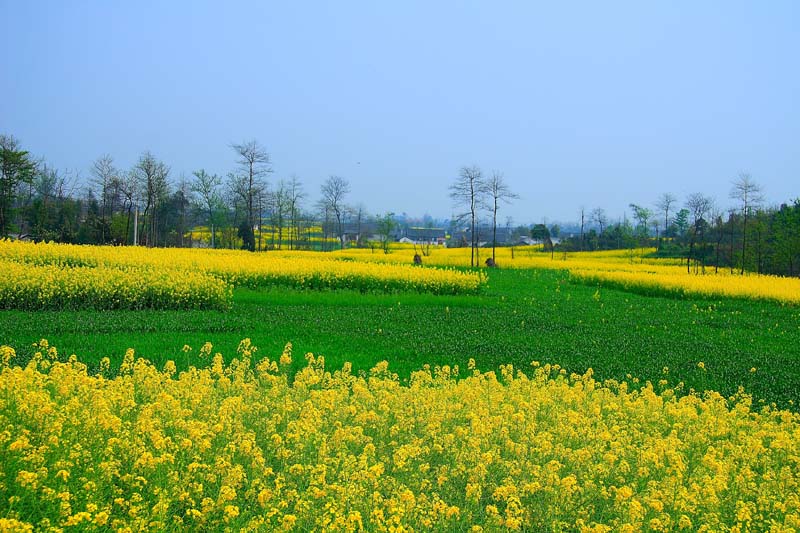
{"points": [[245, 446]]}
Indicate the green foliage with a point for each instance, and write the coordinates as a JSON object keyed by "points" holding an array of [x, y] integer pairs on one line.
{"points": [[16, 167], [540, 232], [386, 225], [681, 222]]}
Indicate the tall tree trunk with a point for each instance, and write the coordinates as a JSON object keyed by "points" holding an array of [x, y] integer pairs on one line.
{"points": [[744, 239], [128, 223], [494, 229]]}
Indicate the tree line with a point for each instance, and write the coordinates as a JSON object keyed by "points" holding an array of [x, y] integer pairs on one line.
{"points": [[147, 205], [745, 236]]}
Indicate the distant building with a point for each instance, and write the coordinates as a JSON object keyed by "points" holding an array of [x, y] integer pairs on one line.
{"points": [[528, 241], [354, 232], [503, 236], [414, 235]]}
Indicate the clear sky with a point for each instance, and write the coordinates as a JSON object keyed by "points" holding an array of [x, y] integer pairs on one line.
{"points": [[578, 103]]}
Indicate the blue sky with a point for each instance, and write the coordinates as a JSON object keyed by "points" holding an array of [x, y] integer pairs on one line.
{"points": [[595, 104]]}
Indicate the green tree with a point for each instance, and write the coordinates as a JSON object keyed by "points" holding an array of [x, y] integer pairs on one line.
{"points": [[248, 237], [386, 225], [540, 232], [16, 168], [681, 223], [641, 215], [786, 239]]}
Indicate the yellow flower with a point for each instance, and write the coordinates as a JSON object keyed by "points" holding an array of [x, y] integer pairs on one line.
{"points": [[288, 521], [101, 518], [231, 512], [7, 353]]}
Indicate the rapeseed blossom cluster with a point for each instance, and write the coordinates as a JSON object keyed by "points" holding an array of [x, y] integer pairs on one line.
{"points": [[48, 275], [246, 446], [26, 286]]}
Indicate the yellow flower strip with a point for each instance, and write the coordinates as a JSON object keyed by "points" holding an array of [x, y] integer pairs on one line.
{"points": [[521, 257], [321, 272], [626, 269], [253, 269], [752, 287], [241, 447], [25, 286]]}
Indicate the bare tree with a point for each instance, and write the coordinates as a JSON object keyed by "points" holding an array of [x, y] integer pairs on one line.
{"points": [[237, 198], [599, 217], [664, 205], [103, 176], [748, 192], [114, 197], [206, 186], [266, 199], [151, 175], [719, 235], [333, 192], [255, 164], [699, 206], [180, 202], [469, 191], [128, 191], [359, 215], [279, 206], [583, 216], [498, 191], [294, 195]]}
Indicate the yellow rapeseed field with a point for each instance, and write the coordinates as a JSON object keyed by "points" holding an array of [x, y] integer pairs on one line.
{"points": [[626, 269], [368, 269], [31, 286], [245, 447], [267, 236], [677, 281], [122, 272]]}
